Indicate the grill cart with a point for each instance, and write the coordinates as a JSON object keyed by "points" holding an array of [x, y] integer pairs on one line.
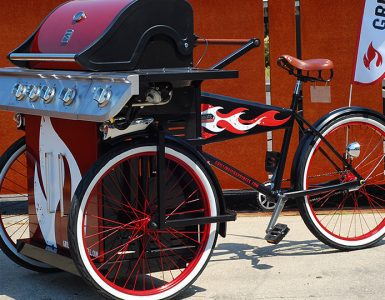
{"points": [[92, 188], [111, 182]]}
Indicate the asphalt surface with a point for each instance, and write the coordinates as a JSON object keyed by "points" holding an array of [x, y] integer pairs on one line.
{"points": [[243, 266]]}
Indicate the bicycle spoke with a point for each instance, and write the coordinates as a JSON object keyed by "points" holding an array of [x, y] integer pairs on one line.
{"points": [[134, 255]]}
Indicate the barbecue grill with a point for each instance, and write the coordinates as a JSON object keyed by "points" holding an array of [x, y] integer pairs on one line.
{"points": [[95, 74]]}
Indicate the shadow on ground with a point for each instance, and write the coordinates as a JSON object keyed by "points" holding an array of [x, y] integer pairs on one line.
{"points": [[242, 251], [62, 285], [19, 283]]}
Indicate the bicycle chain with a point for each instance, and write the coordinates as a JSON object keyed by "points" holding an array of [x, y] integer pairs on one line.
{"points": [[315, 176]]}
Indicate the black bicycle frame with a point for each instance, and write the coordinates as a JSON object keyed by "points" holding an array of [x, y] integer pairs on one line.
{"points": [[225, 118], [258, 118]]}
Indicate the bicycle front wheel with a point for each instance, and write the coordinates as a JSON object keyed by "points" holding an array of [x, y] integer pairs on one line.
{"points": [[114, 242], [346, 220]]}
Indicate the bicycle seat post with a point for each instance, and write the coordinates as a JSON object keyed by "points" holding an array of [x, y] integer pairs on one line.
{"points": [[297, 94]]}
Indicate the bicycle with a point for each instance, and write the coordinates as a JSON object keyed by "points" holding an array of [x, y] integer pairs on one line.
{"points": [[162, 206]]}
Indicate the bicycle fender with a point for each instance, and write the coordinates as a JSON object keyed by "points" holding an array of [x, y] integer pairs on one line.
{"points": [[326, 119], [321, 123], [199, 157]]}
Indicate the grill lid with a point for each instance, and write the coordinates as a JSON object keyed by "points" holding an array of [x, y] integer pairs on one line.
{"points": [[114, 35]]}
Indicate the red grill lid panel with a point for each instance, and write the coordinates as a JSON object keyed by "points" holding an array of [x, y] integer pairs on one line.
{"points": [[111, 35], [99, 15]]}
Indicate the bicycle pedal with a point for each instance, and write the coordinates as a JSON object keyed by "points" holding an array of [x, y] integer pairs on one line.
{"points": [[275, 235]]}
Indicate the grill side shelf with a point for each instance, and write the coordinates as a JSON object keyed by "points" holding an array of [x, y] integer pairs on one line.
{"points": [[181, 74]]}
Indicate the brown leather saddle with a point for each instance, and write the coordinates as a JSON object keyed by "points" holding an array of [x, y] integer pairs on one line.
{"points": [[307, 70]]}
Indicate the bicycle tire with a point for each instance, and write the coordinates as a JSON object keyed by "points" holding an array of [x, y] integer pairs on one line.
{"points": [[14, 206], [125, 178], [348, 220]]}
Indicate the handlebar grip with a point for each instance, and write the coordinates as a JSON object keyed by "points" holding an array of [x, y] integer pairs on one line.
{"points": [[225, 41], [251, 44]]}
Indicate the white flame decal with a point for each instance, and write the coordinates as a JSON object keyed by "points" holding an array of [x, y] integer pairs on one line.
{"points": [[232, 121], [50, 143]]}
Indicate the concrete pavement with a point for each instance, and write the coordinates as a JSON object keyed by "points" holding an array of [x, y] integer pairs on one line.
{"points": [[243, 266]]}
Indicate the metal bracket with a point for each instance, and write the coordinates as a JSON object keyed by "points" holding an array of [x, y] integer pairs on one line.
{"points": [[61, 183], [161, 157], [49, 161]]}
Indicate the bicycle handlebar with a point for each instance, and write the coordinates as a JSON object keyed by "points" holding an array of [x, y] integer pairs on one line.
{"points": [[251, 44], [202, 41]]}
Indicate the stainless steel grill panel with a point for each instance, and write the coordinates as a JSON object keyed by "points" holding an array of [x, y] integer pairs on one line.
{"points": [[82, 86]]}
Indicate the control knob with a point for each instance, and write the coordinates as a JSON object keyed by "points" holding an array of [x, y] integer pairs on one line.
{"points": [[102, 96], [34, 93], [47, 94], [68, 96], [19, 91]]}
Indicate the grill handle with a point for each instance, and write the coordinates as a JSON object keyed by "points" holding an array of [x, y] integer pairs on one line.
{"points": [[51, 57]]}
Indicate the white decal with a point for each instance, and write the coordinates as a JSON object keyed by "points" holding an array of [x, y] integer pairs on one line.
{"points": [[216, 122], [51, 147]]}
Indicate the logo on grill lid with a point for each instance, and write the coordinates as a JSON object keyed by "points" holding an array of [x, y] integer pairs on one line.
{"points": [[81, 15], [67, 37]]}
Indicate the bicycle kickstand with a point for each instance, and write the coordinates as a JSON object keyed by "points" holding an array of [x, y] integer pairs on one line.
{"points": [[275, 232]]}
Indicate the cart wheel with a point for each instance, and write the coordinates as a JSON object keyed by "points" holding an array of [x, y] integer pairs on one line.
{"points": [[114, 238], [14, 216]]}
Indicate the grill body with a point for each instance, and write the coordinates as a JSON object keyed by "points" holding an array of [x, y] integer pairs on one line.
{"points": [[96, 74]]}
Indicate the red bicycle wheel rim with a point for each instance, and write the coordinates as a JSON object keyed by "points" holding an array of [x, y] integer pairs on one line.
{"points": [[371, 232], [191, 265]]}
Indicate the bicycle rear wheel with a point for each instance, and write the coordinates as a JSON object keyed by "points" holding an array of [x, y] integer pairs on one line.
{"points": [[113, 240], [346, 220], [14, 214]]}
